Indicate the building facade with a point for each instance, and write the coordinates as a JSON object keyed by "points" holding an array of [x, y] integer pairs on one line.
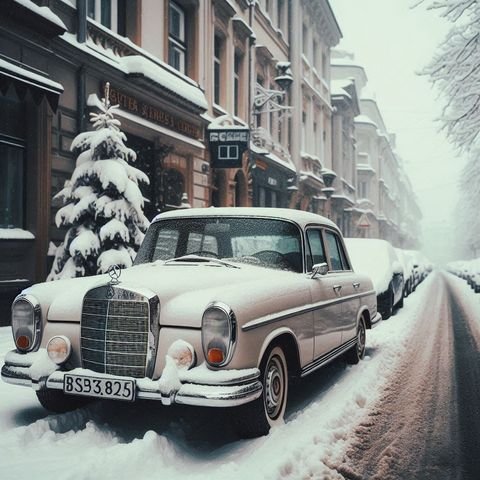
{"points": [[385, 204], [175, 68]]}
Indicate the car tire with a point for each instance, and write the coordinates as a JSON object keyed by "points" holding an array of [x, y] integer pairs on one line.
{"points": [[400, 303], [389, 308], [255, 419], [357, 352], [58, 402]]}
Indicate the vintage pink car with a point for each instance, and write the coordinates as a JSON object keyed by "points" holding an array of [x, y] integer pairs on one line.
{"points": [[222, 307]]}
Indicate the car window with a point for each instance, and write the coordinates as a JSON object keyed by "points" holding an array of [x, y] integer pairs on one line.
{"points": [[165, 245], [335, 251], [198, 243], [264, 242], [316, 253]]}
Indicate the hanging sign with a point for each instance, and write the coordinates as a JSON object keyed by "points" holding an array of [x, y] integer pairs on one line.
{"points": [[227, 146]]}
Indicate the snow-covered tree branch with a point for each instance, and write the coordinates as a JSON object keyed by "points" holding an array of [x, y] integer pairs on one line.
{"points": [[455, 70], [103, 204]]}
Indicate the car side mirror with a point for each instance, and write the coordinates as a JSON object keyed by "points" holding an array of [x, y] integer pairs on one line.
{"points": [[319, 269]]}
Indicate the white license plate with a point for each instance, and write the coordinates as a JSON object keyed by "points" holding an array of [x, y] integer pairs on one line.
{"points": [[116, 389]]}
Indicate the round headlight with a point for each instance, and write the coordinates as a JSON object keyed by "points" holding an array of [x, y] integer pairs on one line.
{"points": [[219, 331], [182, 353], [26, 323], [59, 349]]}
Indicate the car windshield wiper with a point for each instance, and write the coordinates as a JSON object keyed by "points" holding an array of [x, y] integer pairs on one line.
{"points": [[200, 259]]}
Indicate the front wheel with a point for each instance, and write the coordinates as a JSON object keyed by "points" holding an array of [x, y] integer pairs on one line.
{"points": [[58, 402], [357, 352], [256, 418]]}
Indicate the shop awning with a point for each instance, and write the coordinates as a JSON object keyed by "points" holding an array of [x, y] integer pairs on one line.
{"points": [[26, 80]]}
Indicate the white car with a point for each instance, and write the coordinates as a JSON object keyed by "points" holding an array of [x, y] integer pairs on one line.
{"points": [[221, 308]]}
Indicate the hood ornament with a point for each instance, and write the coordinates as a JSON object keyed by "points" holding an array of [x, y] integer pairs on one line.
{"points": [[115, 272]]}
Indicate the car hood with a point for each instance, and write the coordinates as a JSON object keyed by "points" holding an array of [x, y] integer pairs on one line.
{"points": [[184, 290]]}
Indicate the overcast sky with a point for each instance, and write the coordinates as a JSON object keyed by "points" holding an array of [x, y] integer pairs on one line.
{"points": [[394, 42]]}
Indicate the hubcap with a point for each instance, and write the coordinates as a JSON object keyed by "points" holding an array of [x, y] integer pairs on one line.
{"points": [[274, 387]]}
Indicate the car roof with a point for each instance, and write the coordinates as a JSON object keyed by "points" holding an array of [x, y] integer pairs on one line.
{"points": [[300, 217]]}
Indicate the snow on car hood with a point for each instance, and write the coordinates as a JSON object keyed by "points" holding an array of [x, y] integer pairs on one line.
{"points": [[184, 290]]}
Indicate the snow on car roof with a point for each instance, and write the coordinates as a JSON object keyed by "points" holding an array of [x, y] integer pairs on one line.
{"points": [[300, 217]]}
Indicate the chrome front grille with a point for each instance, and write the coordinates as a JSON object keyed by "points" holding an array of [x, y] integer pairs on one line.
{"points": [[115, 332]]}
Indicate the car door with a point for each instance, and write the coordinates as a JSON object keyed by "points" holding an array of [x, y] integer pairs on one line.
{"points": [[347, 284], [326, 307]]}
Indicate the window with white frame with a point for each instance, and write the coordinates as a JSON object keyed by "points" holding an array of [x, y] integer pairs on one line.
{"points": [[104, 12], [177, 47]]}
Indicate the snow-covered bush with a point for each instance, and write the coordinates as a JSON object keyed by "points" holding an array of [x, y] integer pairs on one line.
{"points": [[103, 202]]}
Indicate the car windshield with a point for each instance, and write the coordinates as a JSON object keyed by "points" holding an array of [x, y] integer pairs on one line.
{"points": [[264, 242]]}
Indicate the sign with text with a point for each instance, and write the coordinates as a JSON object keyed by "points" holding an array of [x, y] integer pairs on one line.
{"points": [[227, 146], [153, 114]]}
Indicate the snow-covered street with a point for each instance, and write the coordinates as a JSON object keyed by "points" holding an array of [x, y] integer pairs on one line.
{"points": [[391, 413]]}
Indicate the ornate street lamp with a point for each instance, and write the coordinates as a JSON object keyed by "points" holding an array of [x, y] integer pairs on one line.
{"points": [[328, 178], [268, 100]]}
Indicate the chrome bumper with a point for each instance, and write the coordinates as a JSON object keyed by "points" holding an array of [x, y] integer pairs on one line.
{"points": [[216, 390]]}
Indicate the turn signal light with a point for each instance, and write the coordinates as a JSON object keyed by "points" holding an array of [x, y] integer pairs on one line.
{"points": [[215, 355], [23, 342]]}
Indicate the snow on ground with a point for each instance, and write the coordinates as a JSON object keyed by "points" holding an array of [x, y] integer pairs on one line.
{"points": [[146, 441], [470, 304]]}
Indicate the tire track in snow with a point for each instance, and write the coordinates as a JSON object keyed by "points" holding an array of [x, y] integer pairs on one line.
{"points": [[426, 425]]}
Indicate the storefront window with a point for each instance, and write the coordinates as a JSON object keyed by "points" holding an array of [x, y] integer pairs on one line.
{"points": [[12, 158]]}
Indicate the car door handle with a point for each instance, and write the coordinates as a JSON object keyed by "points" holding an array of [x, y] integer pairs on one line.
{"points": [[356, 284], [337, 288]]}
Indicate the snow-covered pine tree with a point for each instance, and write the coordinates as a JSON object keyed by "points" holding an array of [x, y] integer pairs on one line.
{"points": [[103, 202]]}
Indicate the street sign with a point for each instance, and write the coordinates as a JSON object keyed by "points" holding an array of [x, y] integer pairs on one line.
{"points": [[363, 221], [227, 146]]}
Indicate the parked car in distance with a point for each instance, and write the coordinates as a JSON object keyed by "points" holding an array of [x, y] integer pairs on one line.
{"points": [[377, 259], [221, 308], [408, 271], [468, 270]]}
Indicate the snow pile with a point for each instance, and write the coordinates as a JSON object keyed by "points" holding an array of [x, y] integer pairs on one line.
{"points": [[103, 203], [42, 366], [169, 381], [15, 234], [139, 65], [43, 12]]}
